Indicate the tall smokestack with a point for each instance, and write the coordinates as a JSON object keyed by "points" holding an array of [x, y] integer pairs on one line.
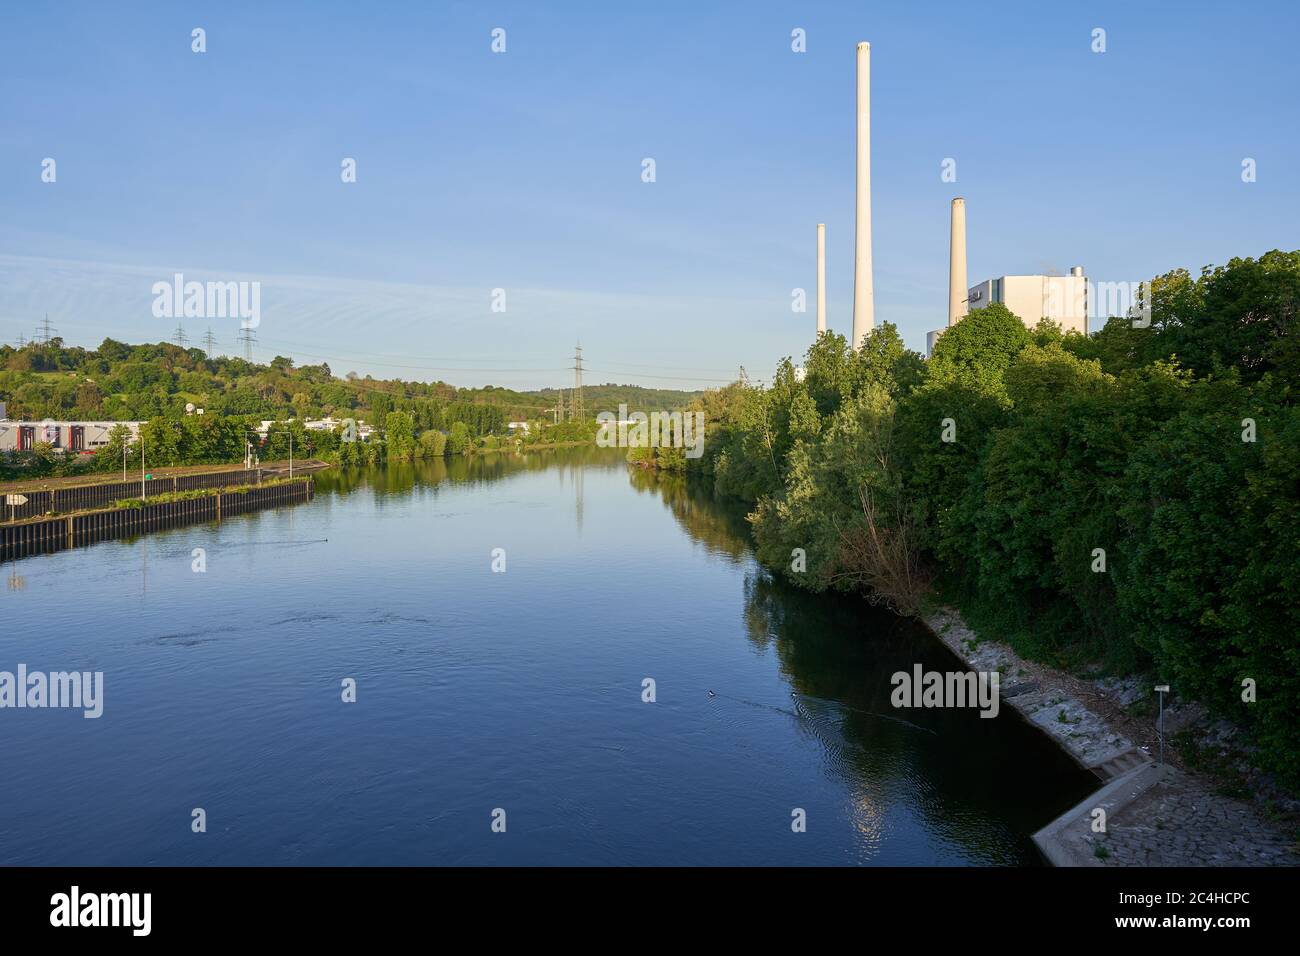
{"points": [[957, 288], [821, 277], [864, 299]]}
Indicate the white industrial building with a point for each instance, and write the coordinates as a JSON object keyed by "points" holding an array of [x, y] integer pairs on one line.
{"points": [[327, 424], [82, 438], [1063, 299]]}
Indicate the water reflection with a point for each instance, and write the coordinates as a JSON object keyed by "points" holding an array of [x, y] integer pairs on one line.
{"points": [[912, 786], [838, 653]]}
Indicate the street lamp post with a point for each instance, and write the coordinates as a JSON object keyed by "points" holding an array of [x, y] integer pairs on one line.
{"points": [[1162, 689]]}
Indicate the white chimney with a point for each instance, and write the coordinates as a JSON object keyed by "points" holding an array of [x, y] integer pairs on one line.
{"points": [[864, 305], [821, 277], [957, 289]]}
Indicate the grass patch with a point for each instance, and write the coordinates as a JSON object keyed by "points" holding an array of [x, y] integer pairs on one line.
{"points": [[1220, 767]]}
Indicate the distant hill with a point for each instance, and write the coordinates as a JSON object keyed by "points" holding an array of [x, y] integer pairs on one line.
{"points": [[607, 398], [121, 382]]}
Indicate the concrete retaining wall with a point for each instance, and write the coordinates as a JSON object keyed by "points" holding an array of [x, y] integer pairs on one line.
{"points": [[41, 535]]}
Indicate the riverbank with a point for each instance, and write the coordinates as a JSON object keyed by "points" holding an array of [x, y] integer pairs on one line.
{"points": [[520, 449], [1155, 814], [304, 466], [524, 449], [130, 516]]}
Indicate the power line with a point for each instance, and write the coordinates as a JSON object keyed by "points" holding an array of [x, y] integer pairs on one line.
{"points": [[348, 360], [209, 342], [669, 378], [352, 356], [179, 336], [353, 353], [45, 332], [248, 338], [511, 371], [576, 410], [402, 355]]}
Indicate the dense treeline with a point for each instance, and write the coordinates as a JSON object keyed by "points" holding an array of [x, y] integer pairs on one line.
{"points": [[155, 383], [1122, 502], [121, 382], [637, 398]]}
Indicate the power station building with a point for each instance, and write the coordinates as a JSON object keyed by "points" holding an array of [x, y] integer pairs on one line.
{"points": [[1063, 299]]}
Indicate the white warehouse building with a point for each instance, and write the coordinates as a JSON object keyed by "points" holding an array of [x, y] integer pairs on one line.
{"points": [[80, 438], [1063, 299]]}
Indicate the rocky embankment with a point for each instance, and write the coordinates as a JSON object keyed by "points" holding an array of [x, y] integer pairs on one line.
{"points": [[1155, 814]]}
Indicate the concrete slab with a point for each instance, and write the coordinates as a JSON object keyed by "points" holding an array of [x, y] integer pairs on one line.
{"points": [[1068, 840]]}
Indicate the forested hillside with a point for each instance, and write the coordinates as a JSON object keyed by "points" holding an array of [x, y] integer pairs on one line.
{"points": [[155, 383], [124, 382], [608, 397]]}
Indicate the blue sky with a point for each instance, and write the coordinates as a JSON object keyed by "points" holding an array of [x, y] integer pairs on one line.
{"points": [[522, 170]]}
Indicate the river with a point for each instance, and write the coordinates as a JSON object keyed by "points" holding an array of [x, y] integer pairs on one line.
{"points": [[487, 695]]}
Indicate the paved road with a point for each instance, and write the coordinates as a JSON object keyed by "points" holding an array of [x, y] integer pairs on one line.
{"points": [[108, 477]]}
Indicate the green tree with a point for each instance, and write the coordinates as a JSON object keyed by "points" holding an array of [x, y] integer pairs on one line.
{"points": [[433, 444], [458, 439], [400, 435]]}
